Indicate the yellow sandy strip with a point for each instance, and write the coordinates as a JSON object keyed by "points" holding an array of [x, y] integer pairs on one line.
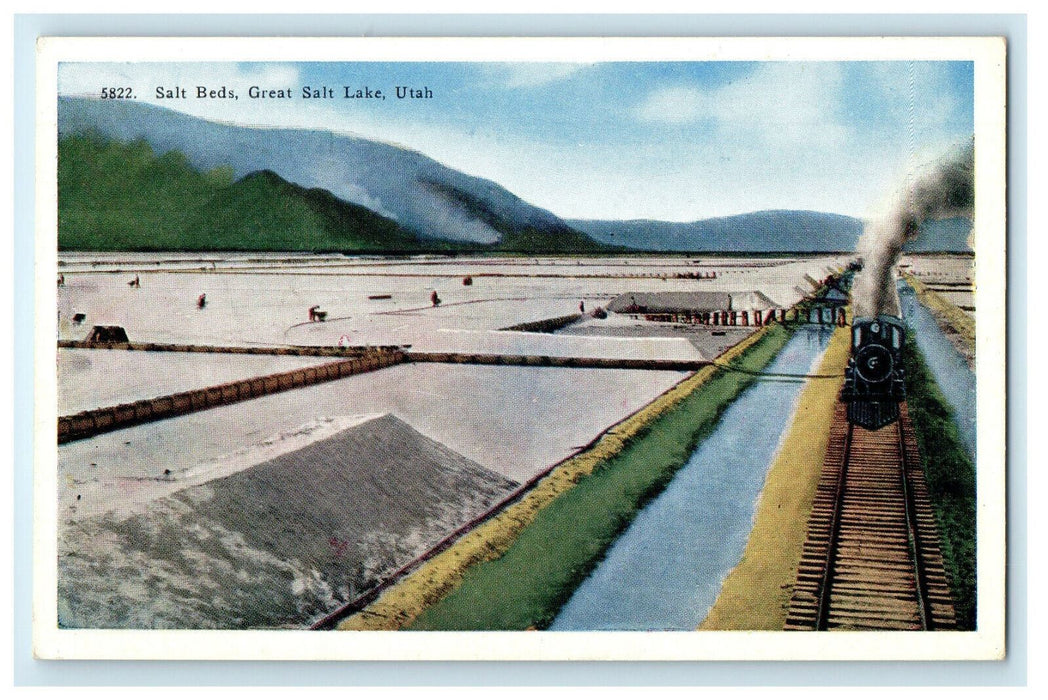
{"points": [[940, 306], [435, 579], [756, 594]]}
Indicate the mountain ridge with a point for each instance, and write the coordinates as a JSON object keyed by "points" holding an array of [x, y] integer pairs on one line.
{"points": [[386, 179], [346, 193]]}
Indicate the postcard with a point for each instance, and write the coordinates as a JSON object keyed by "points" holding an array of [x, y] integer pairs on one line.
{"points": [[538, 349]]}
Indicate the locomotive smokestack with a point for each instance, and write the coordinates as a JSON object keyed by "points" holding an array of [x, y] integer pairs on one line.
{"points": [[944, 190]]}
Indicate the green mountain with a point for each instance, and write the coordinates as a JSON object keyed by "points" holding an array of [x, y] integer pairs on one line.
{"points": [[114, 196], [275, 214], [117, 196]]}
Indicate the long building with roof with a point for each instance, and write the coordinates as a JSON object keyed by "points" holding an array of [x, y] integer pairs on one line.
{"points": [[689, 302]]}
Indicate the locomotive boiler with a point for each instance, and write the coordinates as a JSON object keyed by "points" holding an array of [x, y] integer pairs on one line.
{"points": [[874, 381]]}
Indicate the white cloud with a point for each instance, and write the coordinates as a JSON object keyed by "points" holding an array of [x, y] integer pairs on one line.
{"points": [[914, 93], [529, 75], [778, 102], [675, 105], [783, 137]]}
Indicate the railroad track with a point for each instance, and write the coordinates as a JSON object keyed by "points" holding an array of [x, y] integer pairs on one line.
{"points": [[872, 559]]}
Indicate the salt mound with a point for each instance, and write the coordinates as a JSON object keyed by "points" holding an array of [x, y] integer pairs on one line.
{"points": [[277, 544]]}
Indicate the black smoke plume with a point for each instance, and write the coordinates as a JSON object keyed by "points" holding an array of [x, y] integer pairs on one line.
{"points": [[944, 189]]}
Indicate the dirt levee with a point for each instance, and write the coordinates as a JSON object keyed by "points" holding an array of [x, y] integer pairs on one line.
{"points": [[278, 544]]}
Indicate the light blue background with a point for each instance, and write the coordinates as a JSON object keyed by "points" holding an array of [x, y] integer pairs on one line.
{"points": [[28, 671]]}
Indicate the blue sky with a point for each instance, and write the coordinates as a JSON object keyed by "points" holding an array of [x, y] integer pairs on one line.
{"points": [[618, 140]]}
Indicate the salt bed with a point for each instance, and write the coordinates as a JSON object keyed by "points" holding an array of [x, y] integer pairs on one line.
{"points": [[268, 303], [513, 420], [90, 379], [945, 268], [126, 494]]}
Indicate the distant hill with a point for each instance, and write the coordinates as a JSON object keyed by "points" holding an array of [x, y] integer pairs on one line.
{"points": [[943, 236], [763, 231], [322, 190], [781, 231]]}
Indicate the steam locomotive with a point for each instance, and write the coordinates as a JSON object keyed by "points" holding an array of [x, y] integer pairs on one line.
{"points": [[874, 383]]}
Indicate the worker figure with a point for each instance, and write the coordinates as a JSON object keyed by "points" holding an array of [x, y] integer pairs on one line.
{"points": [[61, 280], [582, 307], [202, 301], [434, 298], [135, 284]]}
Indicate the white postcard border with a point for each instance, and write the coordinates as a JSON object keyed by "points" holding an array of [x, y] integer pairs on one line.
{"points": [[987, 53]]}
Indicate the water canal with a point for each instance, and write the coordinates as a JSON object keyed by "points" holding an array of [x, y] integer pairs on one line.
{"points": [[953, 375], [665, 571]]}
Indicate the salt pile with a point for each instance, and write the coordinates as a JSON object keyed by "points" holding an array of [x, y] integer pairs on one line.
{"points": [[278, 544]]}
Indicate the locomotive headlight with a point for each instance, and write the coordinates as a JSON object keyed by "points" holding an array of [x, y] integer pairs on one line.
{"points": [[875, 327], [873, 363]]}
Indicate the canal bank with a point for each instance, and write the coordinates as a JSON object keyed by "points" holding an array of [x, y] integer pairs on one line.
{"points": [[756, 594], [957, 326], [664, 572]]}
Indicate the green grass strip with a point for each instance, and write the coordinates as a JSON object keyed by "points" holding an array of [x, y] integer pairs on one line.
{"points": [[526, 587], [951, 480]]}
